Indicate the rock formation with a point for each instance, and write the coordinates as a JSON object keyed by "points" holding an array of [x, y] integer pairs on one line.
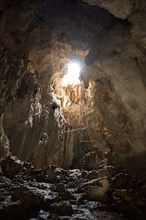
{"points": [[97, 125], [105, 124], [55, 193]]}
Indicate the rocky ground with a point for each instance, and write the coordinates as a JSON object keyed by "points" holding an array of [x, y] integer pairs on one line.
{"points": [[55, 193]]}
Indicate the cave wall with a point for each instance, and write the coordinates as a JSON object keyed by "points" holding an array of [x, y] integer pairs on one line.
{"points": [[36, 40]]}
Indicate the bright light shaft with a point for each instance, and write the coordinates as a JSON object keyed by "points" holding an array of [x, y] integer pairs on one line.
{"points": [[73, 74]]}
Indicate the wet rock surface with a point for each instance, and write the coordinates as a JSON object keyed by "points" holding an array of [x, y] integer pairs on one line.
{"points": [[106, 193]]}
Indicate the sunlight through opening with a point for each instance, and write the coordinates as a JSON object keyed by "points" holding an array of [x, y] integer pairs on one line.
{"points": [[73, 74]]}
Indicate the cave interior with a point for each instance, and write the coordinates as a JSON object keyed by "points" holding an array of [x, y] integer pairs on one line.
{"points": [[73, 109]]}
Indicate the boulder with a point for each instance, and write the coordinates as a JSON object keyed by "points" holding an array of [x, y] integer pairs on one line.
{"points": [[62, 208], [11, 166], [98, 191]]}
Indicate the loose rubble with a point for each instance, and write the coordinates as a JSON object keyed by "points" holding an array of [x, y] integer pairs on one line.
{"points": [[55, 193]]}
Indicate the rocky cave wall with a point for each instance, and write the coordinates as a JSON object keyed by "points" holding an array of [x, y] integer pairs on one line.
{"points": [[37, 39]]}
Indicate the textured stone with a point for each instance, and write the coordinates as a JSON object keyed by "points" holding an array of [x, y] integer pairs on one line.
{"points": [[138, 31], [106, 121], [120, 9], [4, 141], [62, 208], [120, 180], [25, 195], [98, 190], [11, 166]]}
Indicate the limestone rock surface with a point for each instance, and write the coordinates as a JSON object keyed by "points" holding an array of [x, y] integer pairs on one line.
{"points": [[120, 9]]}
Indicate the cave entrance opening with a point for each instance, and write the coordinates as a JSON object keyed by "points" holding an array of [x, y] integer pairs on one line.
{"points": [[69, 93], [72, 82], [74, 101], [72, 77]]}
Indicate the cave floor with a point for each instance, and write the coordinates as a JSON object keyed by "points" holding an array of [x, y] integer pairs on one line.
{"points": [[55, 193]]}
